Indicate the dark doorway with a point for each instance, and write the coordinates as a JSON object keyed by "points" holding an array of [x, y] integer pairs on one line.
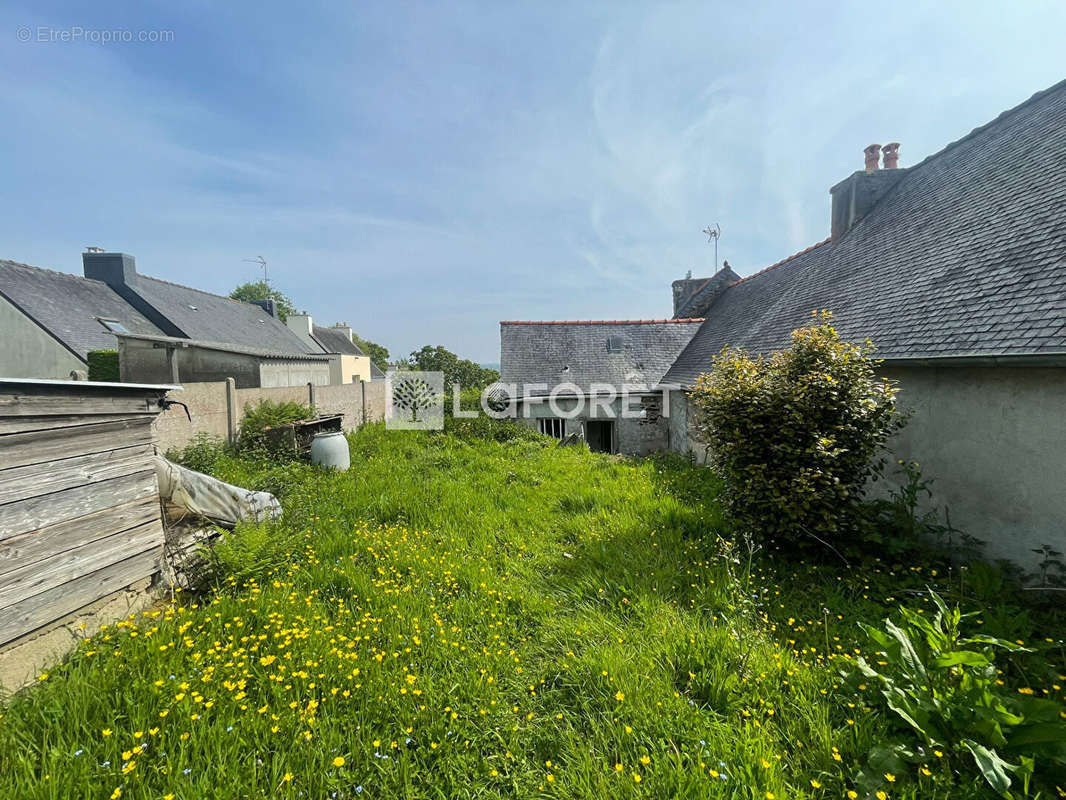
{"points": [[600, 435]]}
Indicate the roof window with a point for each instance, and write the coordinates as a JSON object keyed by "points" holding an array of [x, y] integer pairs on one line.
{"points": [[113, 325], [615, 344]]}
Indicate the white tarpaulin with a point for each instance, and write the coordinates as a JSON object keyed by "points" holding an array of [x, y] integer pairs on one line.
{"points": [[209, 497]]}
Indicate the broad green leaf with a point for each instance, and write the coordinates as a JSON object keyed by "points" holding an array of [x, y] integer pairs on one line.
{"points": [[1040, 733], [907, 651], [992, 767], [967, 657]]}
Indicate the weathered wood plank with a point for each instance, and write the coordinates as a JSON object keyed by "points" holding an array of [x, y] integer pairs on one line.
{"points": [[33, 579], [40, 512], [49, 606], [36, 447], [32, 480], [29, 548], [72, 422], [18, 405]]}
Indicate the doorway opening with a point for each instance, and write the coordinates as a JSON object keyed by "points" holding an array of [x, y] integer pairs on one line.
{"points": [[600, 435]]}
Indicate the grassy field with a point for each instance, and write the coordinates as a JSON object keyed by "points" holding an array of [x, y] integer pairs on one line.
{"points": [[456, 618]]}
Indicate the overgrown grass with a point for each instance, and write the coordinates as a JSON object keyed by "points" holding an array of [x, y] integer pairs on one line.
{"points": [[456, 617]]}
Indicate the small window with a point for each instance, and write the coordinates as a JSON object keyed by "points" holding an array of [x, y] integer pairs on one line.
{"points": [[556, 428], [614, 344], [113, 325]]}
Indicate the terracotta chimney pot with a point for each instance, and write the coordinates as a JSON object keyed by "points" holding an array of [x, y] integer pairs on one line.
{"points": [[873, 155], [891, 153]]}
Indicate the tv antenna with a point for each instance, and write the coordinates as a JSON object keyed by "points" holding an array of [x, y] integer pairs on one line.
{"points": [[713, 233], [261, 262]]}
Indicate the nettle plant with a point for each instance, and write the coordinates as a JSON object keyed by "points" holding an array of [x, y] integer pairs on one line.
{"points": [[795, 436], [950, 708]]}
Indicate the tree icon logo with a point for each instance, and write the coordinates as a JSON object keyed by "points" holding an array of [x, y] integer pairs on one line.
{"points": [[415, 400]]}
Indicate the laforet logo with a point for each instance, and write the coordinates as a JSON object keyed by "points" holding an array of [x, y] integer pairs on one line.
{"points": [[415, 400]]}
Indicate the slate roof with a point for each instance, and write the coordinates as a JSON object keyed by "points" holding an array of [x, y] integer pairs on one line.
{"points": [[576, 352], [67, 306], [210, 317], [965, 256], [333, 340]]}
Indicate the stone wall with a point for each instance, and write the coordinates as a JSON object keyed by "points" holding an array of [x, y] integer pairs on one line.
{"points": [[682, 437], [632, 436]]}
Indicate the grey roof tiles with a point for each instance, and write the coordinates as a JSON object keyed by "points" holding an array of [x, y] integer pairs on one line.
{"points": [[70, 307], [964, 256]]}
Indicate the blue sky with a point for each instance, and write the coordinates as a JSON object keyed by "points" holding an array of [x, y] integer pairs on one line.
{"points": [[423, 171]]}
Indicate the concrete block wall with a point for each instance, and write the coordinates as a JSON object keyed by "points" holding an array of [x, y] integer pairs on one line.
{"points": [[375, 401], [217, 408], [346, 399], [210, 408]]}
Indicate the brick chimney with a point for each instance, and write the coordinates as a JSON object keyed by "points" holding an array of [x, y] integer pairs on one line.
{"points": [[873, 156], [856, 195], [891, 154]]}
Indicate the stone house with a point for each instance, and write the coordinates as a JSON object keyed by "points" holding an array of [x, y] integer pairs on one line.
{"points": [[593, 378], [956, 269]]}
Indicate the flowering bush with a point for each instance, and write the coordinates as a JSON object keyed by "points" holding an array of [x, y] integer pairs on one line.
{"points": [[795, 435]]}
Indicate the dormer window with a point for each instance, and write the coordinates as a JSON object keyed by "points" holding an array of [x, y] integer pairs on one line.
{"points": [[615, 344], [113, 325]]}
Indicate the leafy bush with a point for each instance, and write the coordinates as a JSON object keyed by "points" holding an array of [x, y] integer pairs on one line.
{"points": [[794, 436], [268, 414], [944, 694], [103, 365], [201, 454]]}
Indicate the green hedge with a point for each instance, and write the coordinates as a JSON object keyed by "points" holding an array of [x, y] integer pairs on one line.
{"points": [[103, 365]]}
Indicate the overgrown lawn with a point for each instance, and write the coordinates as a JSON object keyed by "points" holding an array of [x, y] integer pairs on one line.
{"points": [[461, 618]]}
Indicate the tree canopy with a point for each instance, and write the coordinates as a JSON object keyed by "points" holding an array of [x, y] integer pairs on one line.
{"points": [[261, 290], [455, 369], [379, 354]]}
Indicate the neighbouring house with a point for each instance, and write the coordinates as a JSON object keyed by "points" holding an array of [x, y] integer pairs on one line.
{"points": [[164, 331], [347, 362], [586, 365], [956, 269], [50, 321], [149, 358]]}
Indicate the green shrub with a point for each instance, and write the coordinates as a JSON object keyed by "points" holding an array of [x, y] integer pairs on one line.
{"points": [[943, 693], [201, 454], [795, 436], [103, 365], [268, 414]]}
